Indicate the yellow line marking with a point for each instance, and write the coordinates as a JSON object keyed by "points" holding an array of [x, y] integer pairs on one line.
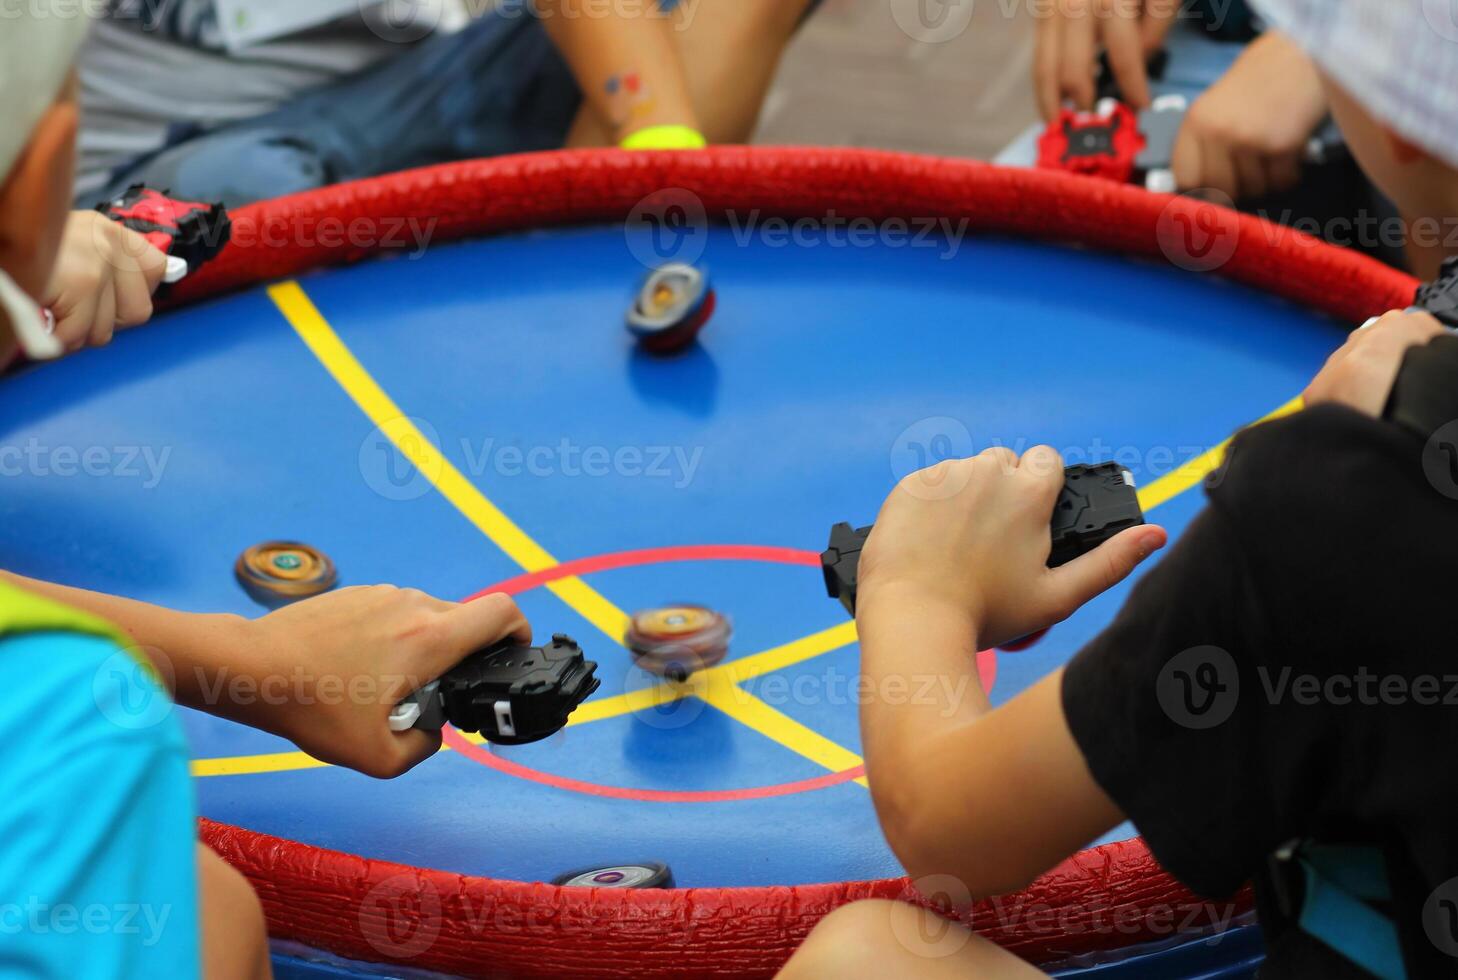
{"points": [[719, 686], [749, 710], [340, 362], [1177, 481], [246, 765], [733, 672]]}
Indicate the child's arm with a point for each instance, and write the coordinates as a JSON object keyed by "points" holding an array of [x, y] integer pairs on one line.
{"points": [[324, 672], [626, 64], [1238, 140], [958, 562]]}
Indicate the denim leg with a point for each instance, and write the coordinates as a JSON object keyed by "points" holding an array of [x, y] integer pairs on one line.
{"points": [[498, 86]]}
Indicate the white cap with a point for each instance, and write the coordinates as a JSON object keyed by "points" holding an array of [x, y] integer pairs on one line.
{"points": [[38, 43], [1397, 58]]}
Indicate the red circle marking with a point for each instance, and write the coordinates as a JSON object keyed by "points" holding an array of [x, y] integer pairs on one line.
{"points": [[482, 755], [651, 556]]}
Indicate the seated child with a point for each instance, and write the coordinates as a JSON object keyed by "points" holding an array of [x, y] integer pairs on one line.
{"points": [[1322, 562], [177, 96], [100, 872], [1236, 141]]}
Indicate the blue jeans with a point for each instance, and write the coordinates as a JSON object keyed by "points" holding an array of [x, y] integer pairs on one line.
{"points": [[498, 86]]}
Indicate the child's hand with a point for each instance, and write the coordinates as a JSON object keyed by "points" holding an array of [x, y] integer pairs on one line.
{"points": [[104, 278], [1066, 49], [1247, 135], [971, 537], [1361, 372], [341, 661]]}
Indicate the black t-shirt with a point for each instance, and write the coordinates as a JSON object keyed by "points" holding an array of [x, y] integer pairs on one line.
{"points": [[1290, 670]]}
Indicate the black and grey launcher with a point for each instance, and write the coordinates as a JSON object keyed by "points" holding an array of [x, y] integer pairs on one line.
{"points": [[510, 693], [1097, 502]]}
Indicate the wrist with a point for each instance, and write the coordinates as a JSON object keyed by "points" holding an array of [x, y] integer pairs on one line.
{"points": [[664, 137], [877, 601], [222, 668]]}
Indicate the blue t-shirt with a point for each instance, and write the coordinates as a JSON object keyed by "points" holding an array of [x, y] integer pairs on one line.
{"points": [[98, 866]]}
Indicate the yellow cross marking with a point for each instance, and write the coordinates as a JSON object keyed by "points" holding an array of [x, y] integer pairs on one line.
{"points": [[719, 686]]}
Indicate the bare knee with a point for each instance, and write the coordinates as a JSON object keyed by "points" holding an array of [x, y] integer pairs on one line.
{"points": [[895, 939], [848, 942], [234, 935]]}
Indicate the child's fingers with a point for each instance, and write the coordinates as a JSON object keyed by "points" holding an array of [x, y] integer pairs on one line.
{"points": [[1046, 55], [133, 299], [1159, 17], [1218, 168], [476, 624], [1126, 58], [1250, 171], [1079, 42], [1042, 466], [104, 322], [1005, 459], [1106, 566], [1185, 160], [1283, 171]]}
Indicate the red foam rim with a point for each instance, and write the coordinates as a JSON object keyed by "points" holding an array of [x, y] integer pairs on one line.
{"points": [[1101, 899]]}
